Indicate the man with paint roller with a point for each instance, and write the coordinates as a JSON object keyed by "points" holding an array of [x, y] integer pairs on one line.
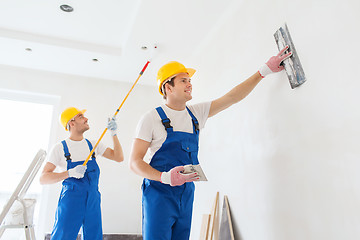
{"points": [[79, 202], [171, 132]]}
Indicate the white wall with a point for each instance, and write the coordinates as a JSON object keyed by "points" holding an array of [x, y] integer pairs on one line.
{"points": [[120, 188], [287, 159]]}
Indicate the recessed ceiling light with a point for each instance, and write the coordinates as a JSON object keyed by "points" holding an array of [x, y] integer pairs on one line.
{"points": [[28, 49], [66, 8]]}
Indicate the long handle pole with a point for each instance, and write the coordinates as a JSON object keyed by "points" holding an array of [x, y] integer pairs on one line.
{"points": [[117, 110]]}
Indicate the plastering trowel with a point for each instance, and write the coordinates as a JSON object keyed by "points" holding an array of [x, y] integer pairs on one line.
{"points": [[292, 65]]}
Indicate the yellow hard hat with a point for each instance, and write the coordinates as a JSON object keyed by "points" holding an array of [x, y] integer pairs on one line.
{"points": [[69, 114], [169, 70]]}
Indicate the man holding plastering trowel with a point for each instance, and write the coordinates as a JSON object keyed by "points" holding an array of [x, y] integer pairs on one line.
{"points": [[79, 202], [171, 131]]}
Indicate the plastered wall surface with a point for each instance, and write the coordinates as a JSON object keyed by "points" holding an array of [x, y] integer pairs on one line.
{"points": [[287, 159]]}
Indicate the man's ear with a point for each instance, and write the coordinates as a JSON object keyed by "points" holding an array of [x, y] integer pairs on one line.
{"points": [[71, 124], [167, 88]]}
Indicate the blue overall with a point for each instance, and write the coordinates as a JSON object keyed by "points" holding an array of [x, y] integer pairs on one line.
{"points": [[79, 203], [167, 210]]}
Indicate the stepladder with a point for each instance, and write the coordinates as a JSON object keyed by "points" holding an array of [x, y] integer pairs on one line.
{"points": [[18, 211]]}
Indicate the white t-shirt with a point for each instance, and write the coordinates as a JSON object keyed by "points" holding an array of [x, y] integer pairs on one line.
{"points": [[151, 129], [79, 151]]}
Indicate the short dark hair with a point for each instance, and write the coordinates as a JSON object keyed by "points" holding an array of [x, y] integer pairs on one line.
{"points": [[171, 82]]}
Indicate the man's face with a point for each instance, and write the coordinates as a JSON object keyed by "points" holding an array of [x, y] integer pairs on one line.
{"points": [[80, 123], [182, 87]]}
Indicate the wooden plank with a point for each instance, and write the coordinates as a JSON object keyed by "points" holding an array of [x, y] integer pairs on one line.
{"points": [[217, 222], [205, 226], [214, 223], [226, 229]]}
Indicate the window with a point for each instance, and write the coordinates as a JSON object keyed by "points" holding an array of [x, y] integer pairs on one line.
{"points": [[25, 125]]}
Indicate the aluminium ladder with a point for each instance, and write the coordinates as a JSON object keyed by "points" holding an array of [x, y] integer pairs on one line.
{"points": [[18, 195]]}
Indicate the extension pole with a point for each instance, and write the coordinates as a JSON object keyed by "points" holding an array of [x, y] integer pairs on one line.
{"points": [[102, 135]]}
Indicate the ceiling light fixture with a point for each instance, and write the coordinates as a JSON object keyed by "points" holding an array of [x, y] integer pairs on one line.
{"points": [[95, 59], [66, 8], [28, 49]]}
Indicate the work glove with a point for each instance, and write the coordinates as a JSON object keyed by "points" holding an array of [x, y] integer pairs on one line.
{"points": [[273, 65], [175, 177], [112, 126], [77, 172]]}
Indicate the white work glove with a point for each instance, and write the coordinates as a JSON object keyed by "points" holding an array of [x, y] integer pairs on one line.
{"points": [[175, 177], [112, 126], [77, 172], [273, 65]]}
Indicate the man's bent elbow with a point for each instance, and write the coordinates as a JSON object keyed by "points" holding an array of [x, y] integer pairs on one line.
{"points": [[42, 180], [119, 159], [132, 165]]}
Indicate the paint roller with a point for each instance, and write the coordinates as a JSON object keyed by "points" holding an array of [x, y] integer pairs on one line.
{"points": [[122, 103]]}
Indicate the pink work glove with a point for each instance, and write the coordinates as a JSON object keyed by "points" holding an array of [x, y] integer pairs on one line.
{"points": [[175, 177], [273, 65]]}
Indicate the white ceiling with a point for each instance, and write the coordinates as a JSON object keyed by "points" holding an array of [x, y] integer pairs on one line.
{"points": [[112, 31]]}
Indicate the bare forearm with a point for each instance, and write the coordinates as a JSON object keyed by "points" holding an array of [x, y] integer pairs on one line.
{"points": [[115, 154], [118, 152], [51, 177], [137, 163], [144, 169], [235, 95], [240, 91]]}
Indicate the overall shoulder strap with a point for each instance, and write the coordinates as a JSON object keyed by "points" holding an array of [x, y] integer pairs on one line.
{"points": [[194, 121], [165, 120], [66, 150], [90, 147]]}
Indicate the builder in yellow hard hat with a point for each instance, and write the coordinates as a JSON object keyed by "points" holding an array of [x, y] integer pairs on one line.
{"points": [[171, 132], [79, 203]]}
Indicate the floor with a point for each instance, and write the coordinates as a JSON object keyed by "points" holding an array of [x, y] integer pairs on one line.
{"points": [[111, 237]]}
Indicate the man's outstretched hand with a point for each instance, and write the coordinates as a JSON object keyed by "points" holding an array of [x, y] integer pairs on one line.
{"points": [[273, 65]]}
